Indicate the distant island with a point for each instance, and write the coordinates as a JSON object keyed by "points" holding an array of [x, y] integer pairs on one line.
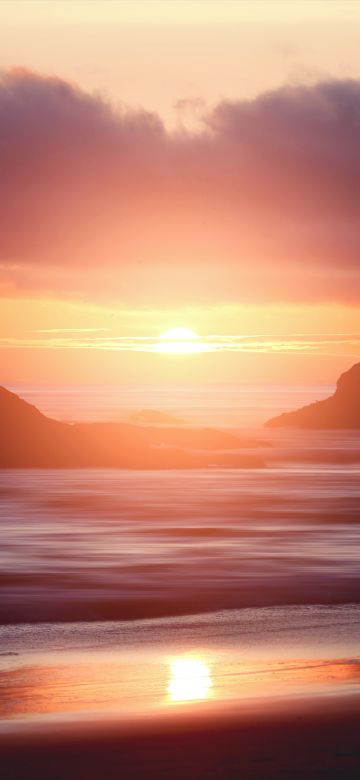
{"points": [[153, 417], [341, 410], [29, 439]]}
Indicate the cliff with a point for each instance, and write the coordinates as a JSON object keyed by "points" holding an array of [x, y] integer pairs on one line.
{"points": [[341, 410]]}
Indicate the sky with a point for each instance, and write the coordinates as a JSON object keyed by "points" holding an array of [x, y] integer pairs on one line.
{"points": [[179, 164]]}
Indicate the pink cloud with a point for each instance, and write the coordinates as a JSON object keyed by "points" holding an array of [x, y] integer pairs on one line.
{"points": [[262, 203]]}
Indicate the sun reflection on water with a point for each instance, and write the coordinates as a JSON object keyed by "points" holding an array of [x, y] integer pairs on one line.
{"points": [[190, 680]]}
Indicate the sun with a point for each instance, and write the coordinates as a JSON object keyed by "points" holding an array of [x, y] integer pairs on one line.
{"points": [[180, 341]]}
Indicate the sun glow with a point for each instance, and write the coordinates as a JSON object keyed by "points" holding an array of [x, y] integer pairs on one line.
{"points": [[180, 341], [190, 680]]}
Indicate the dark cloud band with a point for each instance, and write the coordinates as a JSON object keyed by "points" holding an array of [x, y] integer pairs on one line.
{"points": [[262, 203]]}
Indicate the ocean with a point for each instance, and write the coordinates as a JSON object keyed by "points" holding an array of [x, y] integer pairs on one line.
{"points": [[162, 553]]}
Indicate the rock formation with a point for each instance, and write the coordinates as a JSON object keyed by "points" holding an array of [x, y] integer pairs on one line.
{"points": [[341, 410], [29, 439]]}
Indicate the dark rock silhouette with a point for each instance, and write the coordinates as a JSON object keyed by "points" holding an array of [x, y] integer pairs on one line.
{"points": [[29, 439], [341, 410], [153, 417]]}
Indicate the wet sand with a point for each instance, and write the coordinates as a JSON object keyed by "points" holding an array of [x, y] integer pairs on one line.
{"points": [[257, 693], [312, 738]]}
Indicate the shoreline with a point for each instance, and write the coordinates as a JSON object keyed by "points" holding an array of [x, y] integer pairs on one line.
{"points": [[206, 665]]}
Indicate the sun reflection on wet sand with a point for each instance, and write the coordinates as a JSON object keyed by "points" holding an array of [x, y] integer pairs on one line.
{"points": [[190, 680], [153, 681]]}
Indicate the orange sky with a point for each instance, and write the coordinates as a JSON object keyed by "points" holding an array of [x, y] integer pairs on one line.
{"points": [[157, 185]]}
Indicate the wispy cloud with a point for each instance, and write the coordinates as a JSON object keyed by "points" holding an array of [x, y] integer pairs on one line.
{"points": [[295, 343], [67, 330]]}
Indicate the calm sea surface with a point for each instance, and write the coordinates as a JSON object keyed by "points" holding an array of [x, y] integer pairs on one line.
{"points": [[263, 563], [130, 544], [105, 544], [211, 404]]}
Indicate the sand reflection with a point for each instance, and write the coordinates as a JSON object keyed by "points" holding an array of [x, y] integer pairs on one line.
{"points": [[152, 681], [190, 680]]}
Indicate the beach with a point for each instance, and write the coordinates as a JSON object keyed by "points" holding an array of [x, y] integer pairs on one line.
{"points": [[305, 740], [261, 692]]}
